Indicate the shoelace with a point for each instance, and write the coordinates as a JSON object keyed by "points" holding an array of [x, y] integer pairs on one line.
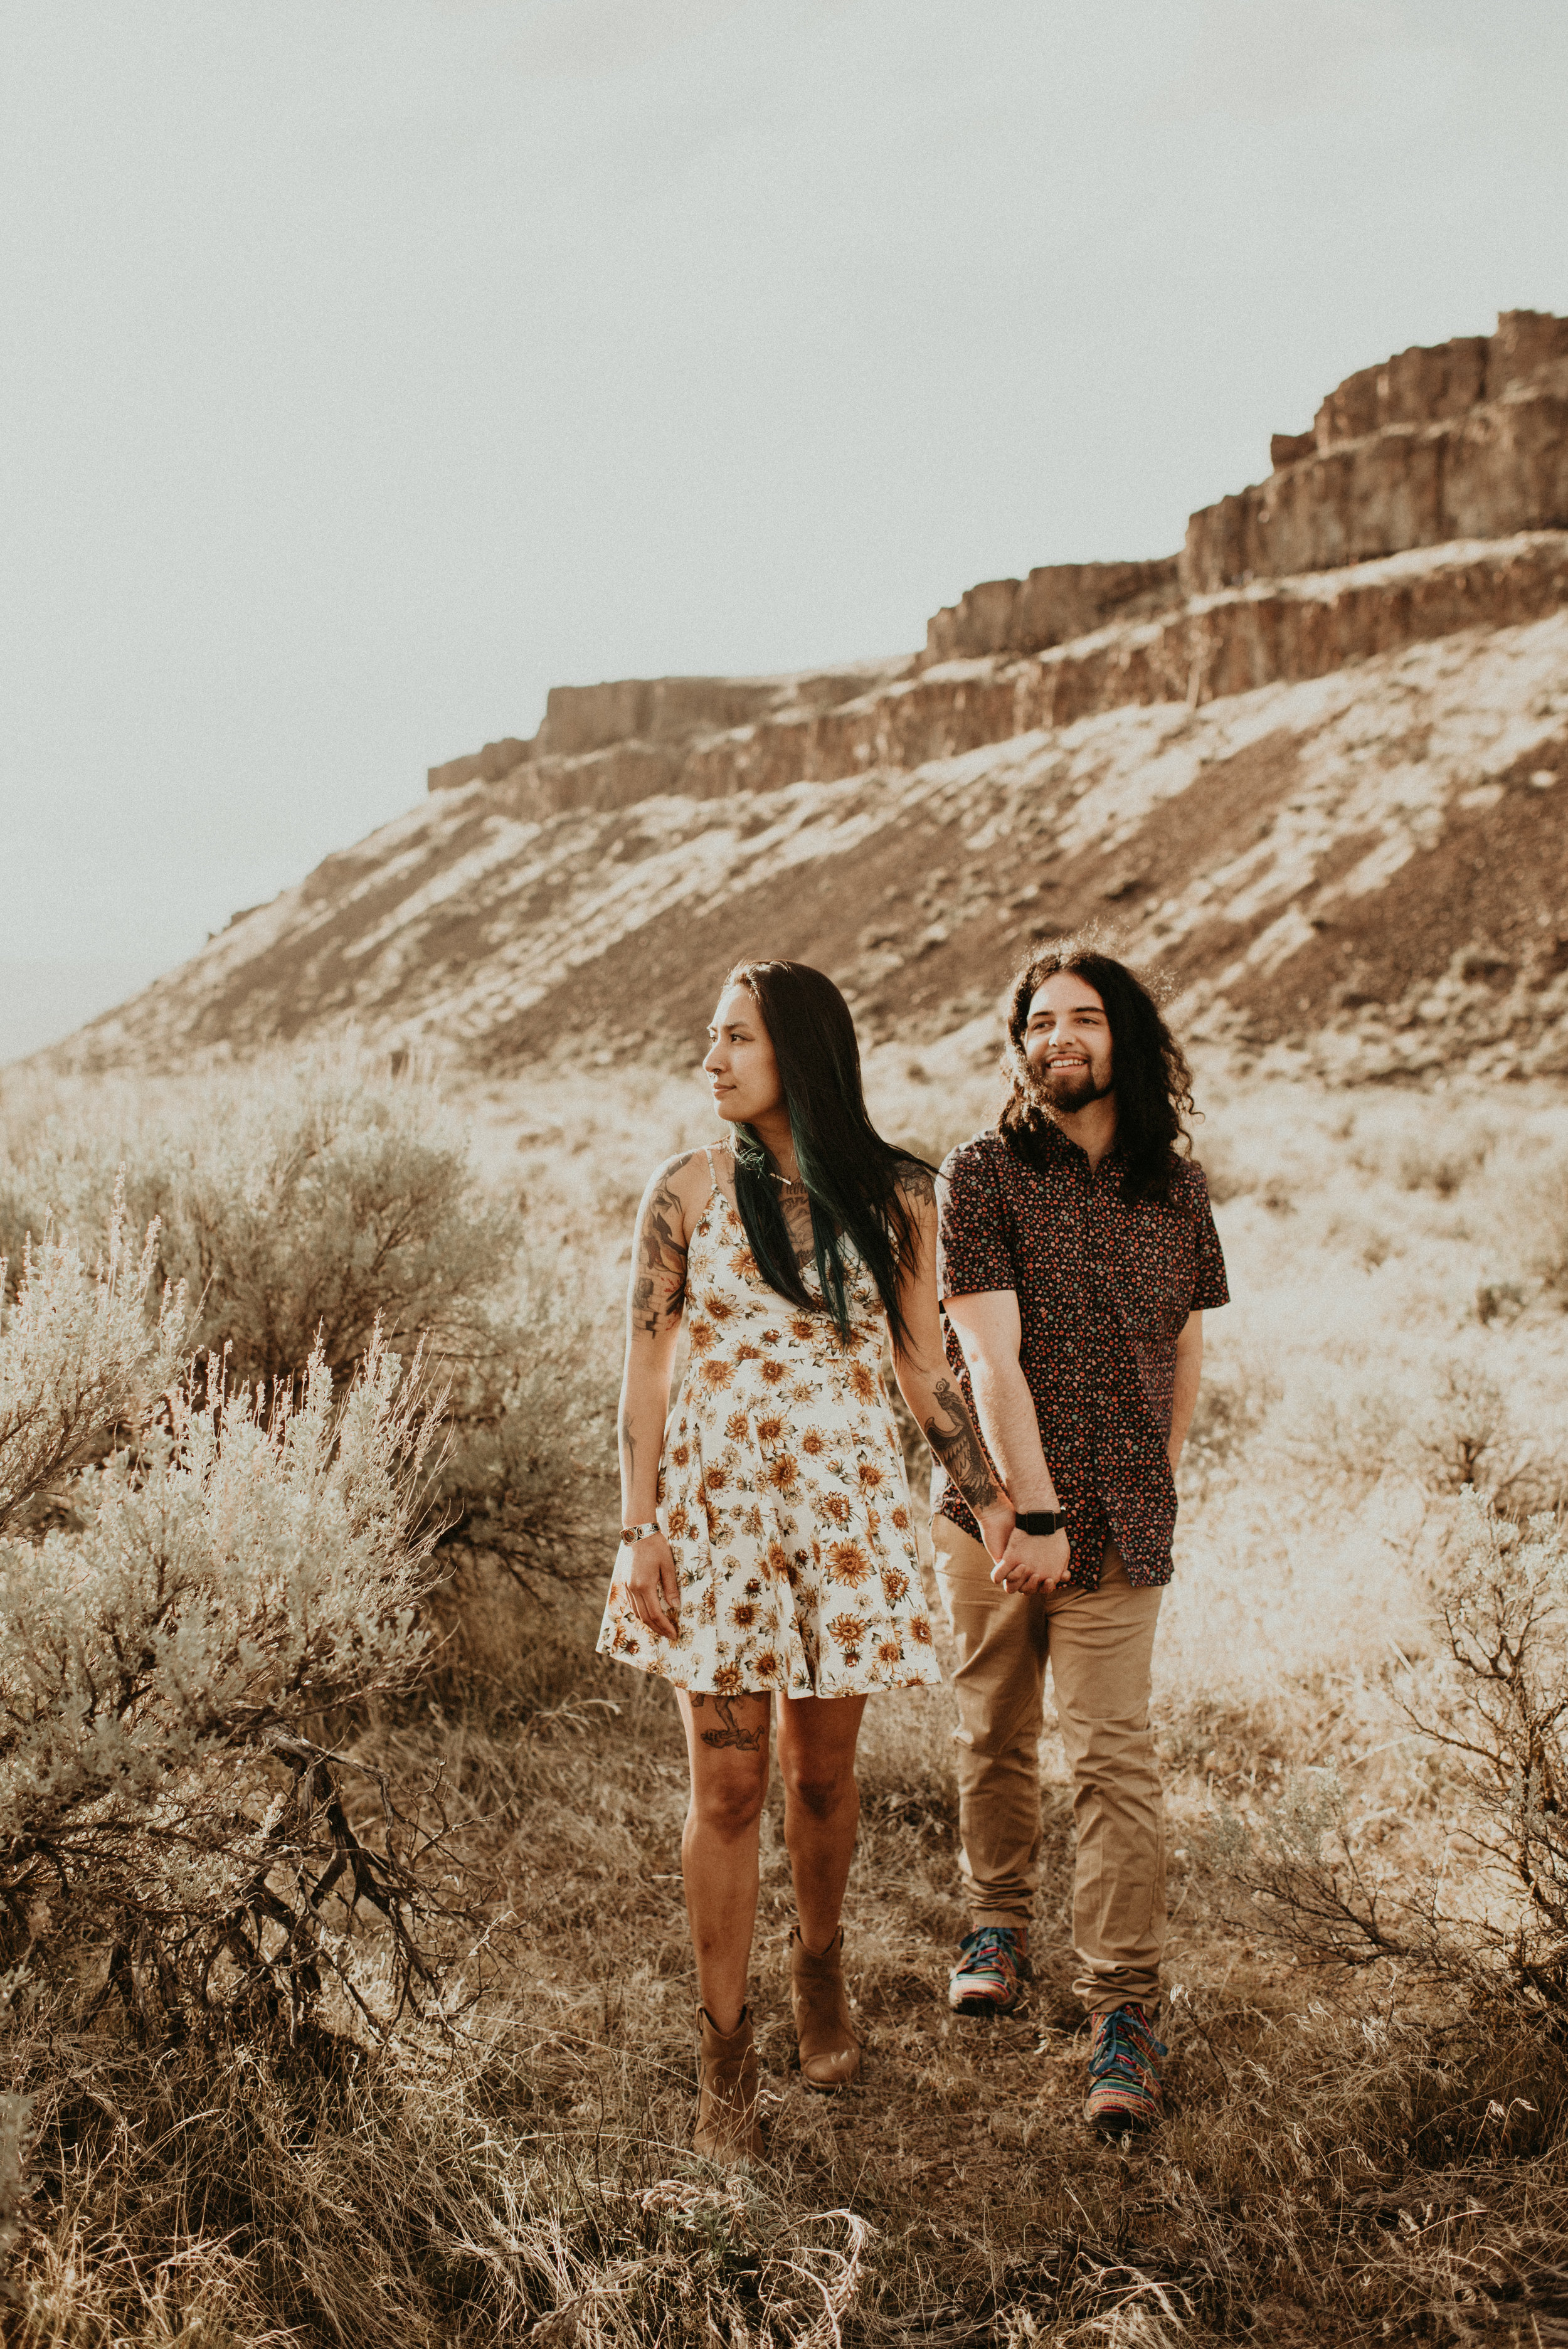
{"points": [[990, 1942], [1119, 2049]]}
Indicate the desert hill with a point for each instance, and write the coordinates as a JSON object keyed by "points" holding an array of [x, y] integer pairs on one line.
{"points": [[1314, 765]]}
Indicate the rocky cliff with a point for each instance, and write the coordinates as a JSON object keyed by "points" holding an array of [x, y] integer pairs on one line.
{"points": [[1333, 802], [1270, 632], [1373, 861], [1051, 607], [1469, 439], [1463, 447]]}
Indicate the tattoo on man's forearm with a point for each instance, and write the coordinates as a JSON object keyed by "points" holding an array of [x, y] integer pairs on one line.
{"points": [[959, 1449], [730, 1732]]}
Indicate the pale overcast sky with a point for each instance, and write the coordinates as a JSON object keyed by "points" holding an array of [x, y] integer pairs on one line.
{"points": [[369, 365]]}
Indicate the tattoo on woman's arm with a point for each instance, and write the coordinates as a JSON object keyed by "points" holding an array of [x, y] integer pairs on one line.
{"points": [[917, 1185], [658, 1285], [959, 1449]]}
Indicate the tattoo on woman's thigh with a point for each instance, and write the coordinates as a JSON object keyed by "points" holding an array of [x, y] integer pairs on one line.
{"points": [[730, 1731]]}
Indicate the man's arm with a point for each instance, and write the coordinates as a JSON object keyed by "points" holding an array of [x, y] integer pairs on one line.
{"points": [[990, 1333], [1185, 1388]]}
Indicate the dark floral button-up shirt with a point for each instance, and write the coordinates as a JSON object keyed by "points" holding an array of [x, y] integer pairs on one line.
{"points": [[1104, 1286]]}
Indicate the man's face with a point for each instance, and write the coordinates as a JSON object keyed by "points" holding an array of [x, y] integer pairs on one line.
{"points": [[1067, 1043]]}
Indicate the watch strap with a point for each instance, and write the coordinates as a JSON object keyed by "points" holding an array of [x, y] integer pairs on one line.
{"points": [[1041, 1521], [639, 1533]]}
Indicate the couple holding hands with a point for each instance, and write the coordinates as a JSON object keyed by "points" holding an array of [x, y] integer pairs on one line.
{"points": [[1044, 1300]]}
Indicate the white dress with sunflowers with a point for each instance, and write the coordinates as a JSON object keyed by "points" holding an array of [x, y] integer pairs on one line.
{"points": [[782, 1491]]}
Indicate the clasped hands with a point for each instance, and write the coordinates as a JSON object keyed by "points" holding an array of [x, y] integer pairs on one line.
{"points": [[1024, 1563]]}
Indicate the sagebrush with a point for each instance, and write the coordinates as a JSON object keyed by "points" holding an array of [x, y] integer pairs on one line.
{"points": [[1354, 2150]]}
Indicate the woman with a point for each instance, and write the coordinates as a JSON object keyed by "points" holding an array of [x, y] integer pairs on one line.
{"points": [[767, 1542]]}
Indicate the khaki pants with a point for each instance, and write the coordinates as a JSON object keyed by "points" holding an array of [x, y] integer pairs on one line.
{"points": [[1100, 1644]]}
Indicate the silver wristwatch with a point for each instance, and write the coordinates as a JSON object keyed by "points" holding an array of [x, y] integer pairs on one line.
{"points": [[639, 1533]]}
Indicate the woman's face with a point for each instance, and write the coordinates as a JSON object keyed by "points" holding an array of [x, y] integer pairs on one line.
{"points": [[740, 1067]]}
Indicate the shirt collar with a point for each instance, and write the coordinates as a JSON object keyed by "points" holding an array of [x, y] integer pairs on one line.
{"points": [[1045, 1147]]}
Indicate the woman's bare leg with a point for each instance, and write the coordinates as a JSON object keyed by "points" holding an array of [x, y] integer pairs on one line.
{"points": [[726, 1747], [822, 1805]]}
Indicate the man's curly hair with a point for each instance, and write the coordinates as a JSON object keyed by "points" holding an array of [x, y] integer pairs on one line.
{"points": [[1153, 1084]]}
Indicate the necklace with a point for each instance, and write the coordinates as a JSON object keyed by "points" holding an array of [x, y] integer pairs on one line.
{"points": [[790, 1182]]}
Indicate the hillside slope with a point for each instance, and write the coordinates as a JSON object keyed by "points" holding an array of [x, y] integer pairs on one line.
{"points": [[1329, 801], [1375, 860]]}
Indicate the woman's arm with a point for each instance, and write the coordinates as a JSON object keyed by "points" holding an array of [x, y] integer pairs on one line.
{"points": [[925, 1378], [655, 1302]]}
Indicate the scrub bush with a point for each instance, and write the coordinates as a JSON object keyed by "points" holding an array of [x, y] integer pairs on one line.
{"points": [[528, 1467], [167, 1819], [175, 1839], [312, 1200], [1540, 1213], [81, 1349], [304, 1203], [1492, 1921]]}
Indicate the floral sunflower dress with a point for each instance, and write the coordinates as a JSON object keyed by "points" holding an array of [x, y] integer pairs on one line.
{"points": [[782, 1491]]}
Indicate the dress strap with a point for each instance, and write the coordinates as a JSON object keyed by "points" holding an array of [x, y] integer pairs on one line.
{"points": [[712, 1171]]}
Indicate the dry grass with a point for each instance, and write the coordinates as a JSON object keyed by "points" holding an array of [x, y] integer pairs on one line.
{"points": [[1345, 2159]]}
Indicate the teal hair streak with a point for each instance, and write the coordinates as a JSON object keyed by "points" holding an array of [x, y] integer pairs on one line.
{"points": [[849, 1174], [836, 1211]]}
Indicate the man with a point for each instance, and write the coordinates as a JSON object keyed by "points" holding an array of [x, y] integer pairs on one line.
{"points": [[1077, 1257]]}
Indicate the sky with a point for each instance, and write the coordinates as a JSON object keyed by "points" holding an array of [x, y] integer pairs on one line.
{"points": [[370, 365]]}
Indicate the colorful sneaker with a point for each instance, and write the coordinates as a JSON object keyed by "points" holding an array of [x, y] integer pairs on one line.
{"points": [[991, 1970], [1124, 2060]]}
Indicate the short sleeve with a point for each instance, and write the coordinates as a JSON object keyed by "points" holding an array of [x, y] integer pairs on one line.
{"points": [[972, 1252], [1210, 1287]]}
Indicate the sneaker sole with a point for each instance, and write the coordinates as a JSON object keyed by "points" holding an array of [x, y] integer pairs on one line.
{"points": [[977, 2009], [1122, 2124]]}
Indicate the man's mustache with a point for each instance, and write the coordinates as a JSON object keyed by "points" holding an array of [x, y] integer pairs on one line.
{"points": [[1048, 1087]]}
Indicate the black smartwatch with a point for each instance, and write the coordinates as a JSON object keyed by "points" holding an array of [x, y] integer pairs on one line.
{"points": [[1041, 1521]]}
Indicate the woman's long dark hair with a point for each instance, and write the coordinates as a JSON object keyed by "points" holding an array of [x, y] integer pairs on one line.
{"points": [[1149, 1068], [850, 1175]]}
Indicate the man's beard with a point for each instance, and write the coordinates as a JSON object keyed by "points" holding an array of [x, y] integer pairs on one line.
{"points": [[1065, 1091]]}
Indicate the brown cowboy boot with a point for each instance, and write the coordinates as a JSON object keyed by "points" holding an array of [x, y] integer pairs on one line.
{"points": [[727, 2128], [830, 2051]]}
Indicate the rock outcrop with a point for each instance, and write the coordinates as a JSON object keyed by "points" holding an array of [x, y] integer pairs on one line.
{"points": [[1052, 605], [486, 766], [651, 724], [1467, 439]]}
